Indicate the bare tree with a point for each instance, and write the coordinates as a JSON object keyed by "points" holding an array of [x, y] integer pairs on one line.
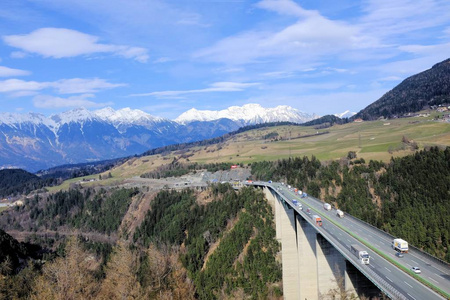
{"points": [[67, 277]]}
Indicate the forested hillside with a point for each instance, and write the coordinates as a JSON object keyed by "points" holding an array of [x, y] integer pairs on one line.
{"points": [[17, 181], [215, 244], [408, 197], [431, 87], [243, 262]]}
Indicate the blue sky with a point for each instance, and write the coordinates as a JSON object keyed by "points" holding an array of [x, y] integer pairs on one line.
{"points": [[165, 57]]}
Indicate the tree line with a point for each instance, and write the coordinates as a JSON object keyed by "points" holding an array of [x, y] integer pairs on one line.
{"points": [[407, 197]]}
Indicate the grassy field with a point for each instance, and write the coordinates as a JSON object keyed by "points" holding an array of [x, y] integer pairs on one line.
{"points": [[376, 140], [2, 208]]}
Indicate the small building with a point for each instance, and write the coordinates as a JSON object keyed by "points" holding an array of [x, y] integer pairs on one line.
{"points": [[359, 120]]}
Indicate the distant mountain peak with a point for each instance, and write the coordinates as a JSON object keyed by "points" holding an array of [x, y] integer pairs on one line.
{"points": [[251, 113], [345, 114], [75, 115], [126, 116]]}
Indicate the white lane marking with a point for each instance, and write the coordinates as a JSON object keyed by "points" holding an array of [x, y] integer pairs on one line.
{"points": [[415, 262], [411, 296], [388, 269], [408, 284], [389, 279], [433, 279]]}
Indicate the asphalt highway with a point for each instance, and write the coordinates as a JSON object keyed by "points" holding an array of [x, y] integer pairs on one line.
{"points": [[386, 275]]}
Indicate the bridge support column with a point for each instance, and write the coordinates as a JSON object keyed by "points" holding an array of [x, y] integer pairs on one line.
{"points": [[350, 273], [307, 266], [330, 269], [277, 208], [278, 212], [289, 256]]}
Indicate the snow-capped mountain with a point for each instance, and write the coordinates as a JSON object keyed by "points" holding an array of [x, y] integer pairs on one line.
{"points": [[33, 141], [127, 116], [247, 114], [345, 114]]}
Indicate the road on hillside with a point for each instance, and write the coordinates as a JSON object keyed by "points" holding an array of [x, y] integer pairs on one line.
{"points": [[435, 273]]}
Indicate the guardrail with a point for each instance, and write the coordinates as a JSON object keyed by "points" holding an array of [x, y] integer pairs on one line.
{"points": [[387, 234], [364, 242], [377, 280]]}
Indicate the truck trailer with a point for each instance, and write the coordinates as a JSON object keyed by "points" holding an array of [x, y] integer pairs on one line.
{"points": [[400, 245], [317, 220], [361, 254]]}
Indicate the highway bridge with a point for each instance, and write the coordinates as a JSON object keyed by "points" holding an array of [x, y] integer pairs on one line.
{"points": [[317, 259]]}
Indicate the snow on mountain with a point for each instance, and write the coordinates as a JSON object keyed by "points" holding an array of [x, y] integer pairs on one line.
{"points": [[78, 115], [33, 141], [15, 118], [345, 114], [248, 114], [126, 116]]}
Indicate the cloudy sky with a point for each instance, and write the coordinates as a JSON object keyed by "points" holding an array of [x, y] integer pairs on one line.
{"points": [[167, 56]]}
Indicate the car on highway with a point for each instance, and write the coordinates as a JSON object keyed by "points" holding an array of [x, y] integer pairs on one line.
{"points": [[308, 210], [399, 254], [416, 270]]}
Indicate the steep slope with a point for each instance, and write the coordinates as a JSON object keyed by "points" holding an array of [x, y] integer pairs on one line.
{"points": [[431, 87]]}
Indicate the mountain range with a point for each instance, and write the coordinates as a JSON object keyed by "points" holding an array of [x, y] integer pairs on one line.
{"points": [[34, 142]]}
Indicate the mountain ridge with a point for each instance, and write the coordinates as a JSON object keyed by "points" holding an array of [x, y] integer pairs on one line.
{"points": [[427, 88], [35, 142]]}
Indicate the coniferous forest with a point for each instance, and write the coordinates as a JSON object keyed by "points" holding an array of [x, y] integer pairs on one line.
{"points": [[408, 197], [223, 246], [216, 243]]}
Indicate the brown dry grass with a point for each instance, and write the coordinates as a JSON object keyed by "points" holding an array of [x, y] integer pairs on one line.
{"points": [[370, 140]]}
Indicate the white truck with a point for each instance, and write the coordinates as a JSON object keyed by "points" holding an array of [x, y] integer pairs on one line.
{"points": [[317, 220], [400, 245], [327, 206], [339, 213], [361, 254]]}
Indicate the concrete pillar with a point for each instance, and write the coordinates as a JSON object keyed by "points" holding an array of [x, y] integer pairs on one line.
{"points": [[358, 284], [307, 266], [278, 211], [350, 272], [330, 269], [289, 256], [269, 196]]}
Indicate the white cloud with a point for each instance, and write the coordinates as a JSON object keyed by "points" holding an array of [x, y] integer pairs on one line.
{"points": [[162, 60], [47, 101], [215, 87], [9, 72], [17, 87], [18, 54], [446, 32], [310, 39], [386, 18], [286, 7], [81, 85], [61, 42]]}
